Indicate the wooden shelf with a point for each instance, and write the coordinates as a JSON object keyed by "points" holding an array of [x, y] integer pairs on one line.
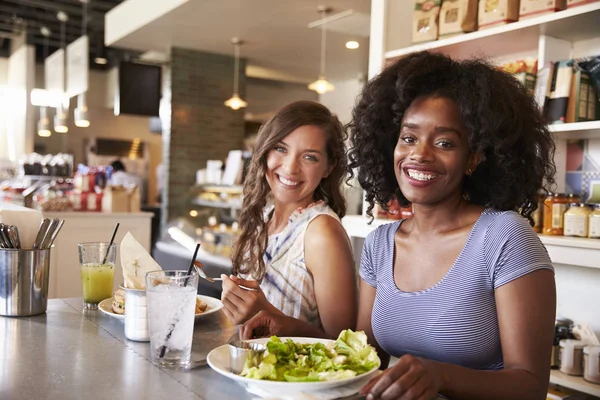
{"points": [[576, 130], [562, 250], [574, 24], [574, 382]]}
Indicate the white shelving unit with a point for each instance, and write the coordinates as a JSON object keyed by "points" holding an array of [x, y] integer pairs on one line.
{"points": [[575, 24], [577, 130], [575, 383]]}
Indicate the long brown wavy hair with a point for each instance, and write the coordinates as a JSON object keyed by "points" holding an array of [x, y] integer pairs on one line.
{"points": [[252, 242]]}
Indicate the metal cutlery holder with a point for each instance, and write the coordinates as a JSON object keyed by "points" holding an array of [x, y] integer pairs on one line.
{"points": [[24, 282]]}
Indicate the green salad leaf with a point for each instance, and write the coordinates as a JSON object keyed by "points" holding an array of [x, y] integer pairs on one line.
{"points": [[350, 355]]}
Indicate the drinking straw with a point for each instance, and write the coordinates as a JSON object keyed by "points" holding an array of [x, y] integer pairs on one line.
{"points": [[163, 349], [112, 239], [191, 268]]}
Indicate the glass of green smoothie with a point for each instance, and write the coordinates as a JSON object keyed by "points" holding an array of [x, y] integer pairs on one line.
{"points": [[97, 262]]}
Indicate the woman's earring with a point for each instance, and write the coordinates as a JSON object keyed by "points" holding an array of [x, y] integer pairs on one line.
{"points": [[469, 172]]}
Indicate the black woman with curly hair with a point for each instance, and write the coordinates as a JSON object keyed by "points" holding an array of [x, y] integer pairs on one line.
{"points": [[292, 242], [463, 292]]}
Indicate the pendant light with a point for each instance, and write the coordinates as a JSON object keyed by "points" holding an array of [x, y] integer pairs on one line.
{"points": [[321, 85], [80, 113], [60, 119], [44, 122], [235, 102]]}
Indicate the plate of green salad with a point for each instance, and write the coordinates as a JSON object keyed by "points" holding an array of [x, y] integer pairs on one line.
{"points": [[303, 364]]}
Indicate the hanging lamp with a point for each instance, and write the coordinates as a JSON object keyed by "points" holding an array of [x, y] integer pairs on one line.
{"points": [[80, 113], [321, 85], [235, 102], [60, 119], [44, 122]]}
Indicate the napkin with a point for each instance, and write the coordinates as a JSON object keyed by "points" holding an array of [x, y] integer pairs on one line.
{"points": [[325, 394], [135, 261], [25, 219]]}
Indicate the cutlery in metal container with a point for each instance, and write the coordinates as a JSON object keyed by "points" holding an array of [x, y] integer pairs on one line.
{"points": [[55, 233], [39, 238], [13, 234], [48, 237]]}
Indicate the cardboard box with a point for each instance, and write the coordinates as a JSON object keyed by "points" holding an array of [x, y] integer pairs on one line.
{"points": [[497, 12], [575, 3], [458, 17], [533, 8], [115, 199]]}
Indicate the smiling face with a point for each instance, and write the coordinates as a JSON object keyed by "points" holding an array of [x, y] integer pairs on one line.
{"points": [[296, 165], [432, 155]]}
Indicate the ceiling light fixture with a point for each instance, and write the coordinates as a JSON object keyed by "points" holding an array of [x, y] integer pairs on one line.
{"points": [[80, 113], [352, 45], [235, 102], [321, 85], [44, 122], [60, 119]]}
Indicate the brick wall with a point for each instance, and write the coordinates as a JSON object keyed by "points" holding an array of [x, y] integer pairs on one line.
{"points": [[202, 127]]}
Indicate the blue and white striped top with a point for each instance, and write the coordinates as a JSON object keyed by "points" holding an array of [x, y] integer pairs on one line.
{"points": [[455, 320]]}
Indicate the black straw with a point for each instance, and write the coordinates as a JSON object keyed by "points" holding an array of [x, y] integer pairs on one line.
{"points": [[163, 349], [112, 239], [191, 268]]}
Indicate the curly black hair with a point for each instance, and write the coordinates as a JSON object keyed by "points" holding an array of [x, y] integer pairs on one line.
{"points": [[504, 124]]}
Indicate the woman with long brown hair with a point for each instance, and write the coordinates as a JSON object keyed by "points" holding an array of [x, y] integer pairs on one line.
{"points": [[292, 243]]}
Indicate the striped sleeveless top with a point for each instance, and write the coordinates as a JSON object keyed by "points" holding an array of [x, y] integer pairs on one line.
{"points": [[455, 320], [288, 284]]}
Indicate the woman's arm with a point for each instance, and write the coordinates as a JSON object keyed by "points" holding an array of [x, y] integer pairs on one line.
{"points": [[365, 310], [526, 312], [328, 257]]}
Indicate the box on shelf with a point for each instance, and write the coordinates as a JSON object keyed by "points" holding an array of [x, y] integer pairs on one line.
{"points": [[575, 3], [497, 12], [533, 8], [458, 17], [425, 20], [583, 103], [121, 199]]}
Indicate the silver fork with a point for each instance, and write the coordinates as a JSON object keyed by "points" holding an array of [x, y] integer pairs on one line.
{"points": [[200, 271]]}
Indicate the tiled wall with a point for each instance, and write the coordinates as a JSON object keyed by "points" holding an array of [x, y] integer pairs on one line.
{"points": [[202, 127], [583, 168]]}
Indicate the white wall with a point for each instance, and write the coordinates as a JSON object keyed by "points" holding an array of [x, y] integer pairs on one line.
{"points": [[342, 100], [18, 116], [3, 71], [4, 99]]}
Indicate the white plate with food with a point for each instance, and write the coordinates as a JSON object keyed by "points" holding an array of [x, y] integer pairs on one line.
{"points": [[106, 306], [219, 360], [205, 305], [210, 305]]}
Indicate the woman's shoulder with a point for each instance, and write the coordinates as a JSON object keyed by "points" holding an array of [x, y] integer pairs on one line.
{"points": [[504, 222], [386, 230]]}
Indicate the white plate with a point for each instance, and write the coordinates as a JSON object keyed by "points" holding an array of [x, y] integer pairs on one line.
{"points": [[218, 359], [106, 307], [212, 306]]}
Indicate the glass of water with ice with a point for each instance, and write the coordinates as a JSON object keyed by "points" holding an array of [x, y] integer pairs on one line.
{"points": [[171, 301]]}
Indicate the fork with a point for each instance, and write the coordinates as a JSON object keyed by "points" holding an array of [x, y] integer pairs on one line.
{"points": [[200, 271], [202, 275]]}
